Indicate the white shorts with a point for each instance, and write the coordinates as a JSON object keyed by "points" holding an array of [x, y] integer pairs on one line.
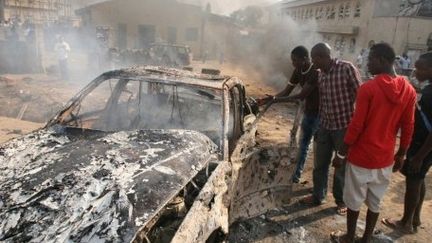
{"points": [[365, 185]]}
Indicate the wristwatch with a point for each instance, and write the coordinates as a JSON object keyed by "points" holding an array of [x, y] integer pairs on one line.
{"points": [[340, 156]]}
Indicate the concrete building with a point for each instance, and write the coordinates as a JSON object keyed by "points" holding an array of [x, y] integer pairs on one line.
{"points": [[350, 25], [138, 23], [35, 11]]}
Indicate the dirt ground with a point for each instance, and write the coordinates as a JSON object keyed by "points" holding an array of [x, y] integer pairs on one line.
{"points": [[293, 223]]}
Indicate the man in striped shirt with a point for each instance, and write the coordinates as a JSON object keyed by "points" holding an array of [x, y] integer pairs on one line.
{"points": [[338, 82]]}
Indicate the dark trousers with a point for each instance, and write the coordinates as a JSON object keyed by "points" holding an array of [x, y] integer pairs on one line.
{"points": [[327, 142]]}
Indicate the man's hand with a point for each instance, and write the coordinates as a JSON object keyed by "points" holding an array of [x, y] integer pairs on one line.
{"points": [[415, 164], [338, 162], [399, 162], [263, 101]]}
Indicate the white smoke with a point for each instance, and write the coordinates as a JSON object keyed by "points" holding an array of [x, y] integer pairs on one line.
{"points": [[226, 7]]}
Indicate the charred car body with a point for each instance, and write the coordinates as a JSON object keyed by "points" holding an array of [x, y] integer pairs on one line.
{"points": [[141, 154]]}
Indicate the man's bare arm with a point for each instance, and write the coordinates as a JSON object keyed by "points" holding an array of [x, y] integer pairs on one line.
{"points": [[305, 92]]}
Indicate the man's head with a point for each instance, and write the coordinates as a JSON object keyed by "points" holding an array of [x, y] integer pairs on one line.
{"points": [[299, 56], [321, 56], [405, 55], [423, 67], [381, 58]]}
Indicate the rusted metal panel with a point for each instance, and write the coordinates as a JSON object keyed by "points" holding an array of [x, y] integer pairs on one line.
{"points": [[263, 183]]}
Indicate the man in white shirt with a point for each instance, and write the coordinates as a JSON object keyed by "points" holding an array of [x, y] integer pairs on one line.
{"points": [[405, 61], [62, 49]]}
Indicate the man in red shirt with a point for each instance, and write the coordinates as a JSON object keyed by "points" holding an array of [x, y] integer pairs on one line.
{"points": [[384, 105]]}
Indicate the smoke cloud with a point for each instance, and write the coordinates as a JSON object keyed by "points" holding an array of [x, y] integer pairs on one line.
{"points": [[266, 53], [226, 7]]}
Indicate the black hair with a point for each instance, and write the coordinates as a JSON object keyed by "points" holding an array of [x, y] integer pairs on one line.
{"points": [[385, 51], [300, 51], [427, 57]]}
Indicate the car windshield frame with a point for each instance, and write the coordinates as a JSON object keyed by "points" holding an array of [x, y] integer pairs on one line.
{"points": [[192, 83]]}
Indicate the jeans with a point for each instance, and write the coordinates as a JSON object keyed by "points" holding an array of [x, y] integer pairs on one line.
{"points": [[327, 142], [309, 127]]}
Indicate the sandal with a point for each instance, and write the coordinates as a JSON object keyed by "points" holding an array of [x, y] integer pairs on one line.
{"points": [[341, 209], [396, 225], [310, 201], [339, 237]]}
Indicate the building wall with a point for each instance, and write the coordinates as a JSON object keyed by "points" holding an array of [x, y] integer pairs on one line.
{"points": [[405, 34], [164, 16], [37, 11], [378, 20], [341, 23]]}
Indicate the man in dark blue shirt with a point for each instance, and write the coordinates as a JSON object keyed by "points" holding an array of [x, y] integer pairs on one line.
{"points": [[419, 156]]}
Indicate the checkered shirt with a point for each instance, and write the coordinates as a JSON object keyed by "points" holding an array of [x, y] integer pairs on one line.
{"points": [[338, 89]]}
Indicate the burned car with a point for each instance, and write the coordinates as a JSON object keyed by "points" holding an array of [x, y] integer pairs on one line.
{"points": [[170, 54], [142, 154]]}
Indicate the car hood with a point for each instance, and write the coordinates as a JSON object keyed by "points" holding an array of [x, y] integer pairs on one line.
{"points": [[63, 184]]}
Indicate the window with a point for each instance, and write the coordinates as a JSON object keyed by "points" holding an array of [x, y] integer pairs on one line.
{"points": [[328, 13], [343, 44], [357, 10], [333, 12], [146, 35], [340, 45], [352, 45], [121, 104], [191, 34], [347, 10], [172, 35], [341, 11], [122, 36]]}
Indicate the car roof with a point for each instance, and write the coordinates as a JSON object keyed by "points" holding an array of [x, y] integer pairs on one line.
{"points": [[174, 76]]}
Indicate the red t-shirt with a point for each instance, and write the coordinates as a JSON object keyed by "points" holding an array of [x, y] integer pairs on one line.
{"points": [[384, 105]]}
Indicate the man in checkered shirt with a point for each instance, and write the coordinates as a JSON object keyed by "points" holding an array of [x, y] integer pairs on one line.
{"points": [[338, 83]]}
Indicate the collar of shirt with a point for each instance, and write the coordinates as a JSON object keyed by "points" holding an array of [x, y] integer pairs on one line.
{"points": [[334, 63]]}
